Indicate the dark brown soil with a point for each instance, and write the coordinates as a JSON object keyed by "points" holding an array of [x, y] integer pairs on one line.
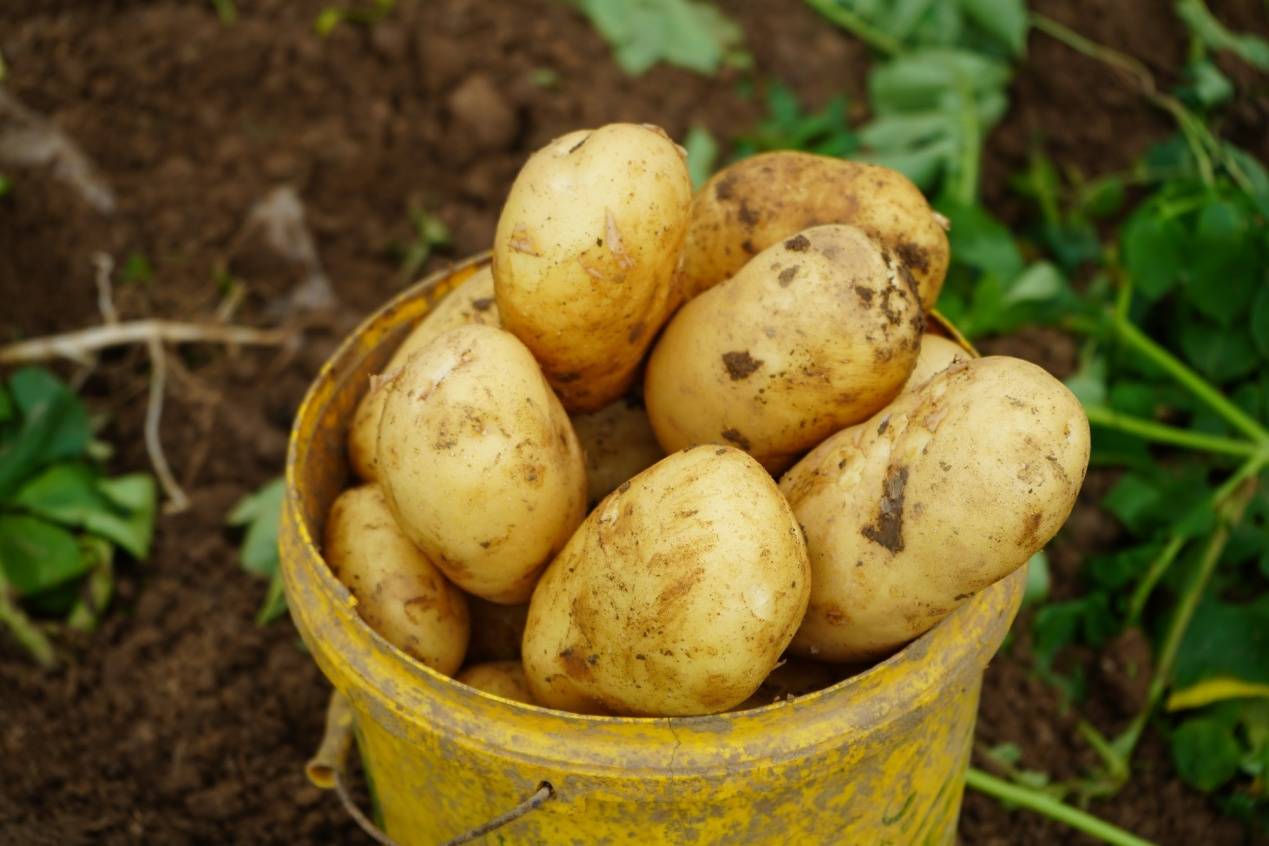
{"points": [[181, 721]]}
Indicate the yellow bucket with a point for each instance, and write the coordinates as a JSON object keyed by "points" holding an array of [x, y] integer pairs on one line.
{"points": [[879, 758]]}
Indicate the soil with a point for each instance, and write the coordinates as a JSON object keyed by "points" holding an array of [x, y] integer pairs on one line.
{"points": [[181, 721]]}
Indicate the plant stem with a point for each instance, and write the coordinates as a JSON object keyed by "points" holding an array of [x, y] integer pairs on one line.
{"points": [[1229, 501], [1196, 384], [857, 26], [1196, 135], [966, 188], [24, 630], [1042, 803], [1159, 566], [1161, 433]]}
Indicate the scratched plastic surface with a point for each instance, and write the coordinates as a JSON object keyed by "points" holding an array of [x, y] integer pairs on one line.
{"points": [[877, 759]]}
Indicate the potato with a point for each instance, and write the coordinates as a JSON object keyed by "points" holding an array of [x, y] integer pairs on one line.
{"points": [[793, 678], [936, 355], [479, 461], [496, 630], [618, 443], [585, 254], [752, 204], [951, 488], [813, 334], [676, 596], [470, 302], [400, 593], [501, 678]]}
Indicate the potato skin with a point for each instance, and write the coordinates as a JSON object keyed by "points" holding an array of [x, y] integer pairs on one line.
{"points": [[470, 302], [618, 442], [814, 334], [585, 254], [400, 593], [501, 678], [759, 201], [676, 596], [496, 630], [479, 462], [936, 355], [948, 490]]}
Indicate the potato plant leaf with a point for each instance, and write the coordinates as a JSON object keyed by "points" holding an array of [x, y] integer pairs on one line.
{"points": [[702, 154], [1225, 640], [37, 555], [990, 25], [1205, 752], [260, 512], [1208, 29], [687, 33], [120, 510], [54, 426]]}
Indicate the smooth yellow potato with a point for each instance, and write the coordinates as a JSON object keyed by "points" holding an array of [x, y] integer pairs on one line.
{"points": [[470, 302], [759, 201], [618, 442], [400, 593], [948, 490], [936, 355], [814, 334], [585, 253], [479, 461], [501, 678], [676, 596], [496, 630]]}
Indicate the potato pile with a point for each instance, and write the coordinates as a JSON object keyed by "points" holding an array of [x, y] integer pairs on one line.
{"points": [[678, 454]]}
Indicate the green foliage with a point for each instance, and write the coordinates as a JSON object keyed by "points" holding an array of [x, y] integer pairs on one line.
{"points": [[136, 269], [786, 127], [260, 513], [226, 10], [332, 16], [702, 154], [6, 185], [690, 34], [430, 232], [1212, 33], [988, 26], [61, 518]]}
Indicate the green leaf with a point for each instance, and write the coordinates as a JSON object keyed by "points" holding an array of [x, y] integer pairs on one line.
{"points": [[1152, 251], [260, 512], [90, 604], [702, 154], [1116, 570], [826, 132], [1038, 578], [1260, 320], [120, 510], [1213, 33], [1038, 283], [1205, 752], [136, 270], [1225, 640], [687, 33], [1087, 619], [1088, 383], [6, 184], [8, 411], [274, 604], [1004, 20], [982, 242], [1206, 85], [1220, 355], [54, 426], [1102, 198], [36, 555]]}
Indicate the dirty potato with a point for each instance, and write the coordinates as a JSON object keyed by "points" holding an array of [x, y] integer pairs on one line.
{"points": [[470, 302], [936, 355], [496, 630], [400, 593], [813, 334], [479, 461], [585, 254], [501, 678], [618, 442], [754, 203], [948, 490], [676, 596]]}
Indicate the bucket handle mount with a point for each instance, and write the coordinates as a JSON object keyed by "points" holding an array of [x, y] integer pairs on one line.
{"points": [[327, 770]]}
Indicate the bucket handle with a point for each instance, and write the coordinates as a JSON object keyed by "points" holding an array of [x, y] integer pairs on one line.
{"points": [[327, 770]]}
